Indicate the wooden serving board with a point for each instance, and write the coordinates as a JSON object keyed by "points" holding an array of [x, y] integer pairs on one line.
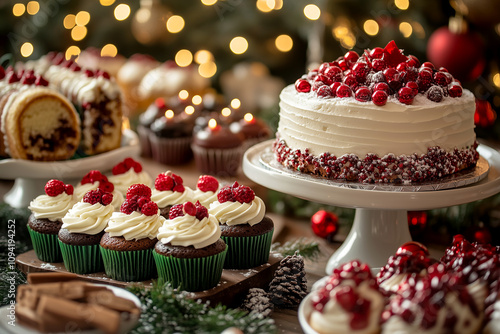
{"points": [[230, 291]]}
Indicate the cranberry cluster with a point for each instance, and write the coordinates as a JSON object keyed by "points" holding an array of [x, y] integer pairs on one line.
{"points": [[236, 193], [196, 210], [125, 165], [54, 188], [59, 59], [138, 198], [98, 196], [378, 74], [207, 183], [97, 176], [169, 181], [25, 77]]}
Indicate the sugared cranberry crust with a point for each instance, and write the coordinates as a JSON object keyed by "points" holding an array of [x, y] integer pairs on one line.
{"points": [[125, 165], [235, 193], [345, 76]]}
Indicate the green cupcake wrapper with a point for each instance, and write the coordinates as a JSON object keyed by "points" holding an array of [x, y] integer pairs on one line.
{"points": [[247, 252], [129, 266], [191, 274], [46, 246], [81, 259]]}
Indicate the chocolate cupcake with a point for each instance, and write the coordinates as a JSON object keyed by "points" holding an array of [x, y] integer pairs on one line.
{"points": [[45, 221], [253, 129], [127, 173], [244, 227], [82, 230], [93, 180], [217, 150], [168, 191], [128, 241], [190, 253], [155, 110]]}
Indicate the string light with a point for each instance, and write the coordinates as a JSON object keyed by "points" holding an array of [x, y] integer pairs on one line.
{"points": [[183, 58], [109, 50], [248, 117], [32, 7], [226, 112], [406, 29], [284, 43], [26, 49], [402, 4], [202, 56], [235, 103], [122, 12], [82, 18], [69, 21], [238, 45], [175, 24], [183, 94], [496, 79], [189, 110], [197, 99], [312, 12], [371, 27], [106, 2], [78, 33], [208, 69], [169, 114], [264, 6], [18, 9], [212, 123], [72, 51], [209, 2]]}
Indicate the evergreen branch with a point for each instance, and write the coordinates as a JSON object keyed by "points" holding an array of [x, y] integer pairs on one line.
{"points": [[308, 250]]}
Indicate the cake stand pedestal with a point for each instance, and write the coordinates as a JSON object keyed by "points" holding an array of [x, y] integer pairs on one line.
{"points": [[380, 224]]}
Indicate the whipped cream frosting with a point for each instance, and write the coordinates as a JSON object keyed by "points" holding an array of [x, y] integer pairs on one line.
{"points": [[346, 126], [51, 207], [236, 213], [87, 218], [205, 197], [130, 177], [134, 226], [187, 230], [493, 325], [169, 197], [82, 189], [334, 319]]}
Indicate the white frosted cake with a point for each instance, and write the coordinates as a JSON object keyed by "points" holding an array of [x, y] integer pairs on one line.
{"points": [[381, 117]]}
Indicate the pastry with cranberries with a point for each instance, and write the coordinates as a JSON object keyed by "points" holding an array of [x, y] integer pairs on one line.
{"points": [[190, 253], [127, 173], [128, 242], [245, 228], [377, 117], [169, 190], [93, 180], [82, 230], [45, 221], [350, 302]]}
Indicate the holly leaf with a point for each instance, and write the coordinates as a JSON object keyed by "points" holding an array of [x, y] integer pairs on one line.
{"points": [[393, 55]]}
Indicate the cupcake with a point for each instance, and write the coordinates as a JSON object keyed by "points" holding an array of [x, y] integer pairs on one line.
{"points": [[45, 221], [217, 150], [253, 129], [128, 242], [190, 253], [127, 173], [82, 230], [168, 191], [245, 228], [155, 110], [93, 180], [350, 302], [206, 190]]}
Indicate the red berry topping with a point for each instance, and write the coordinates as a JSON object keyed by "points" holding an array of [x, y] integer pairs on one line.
{"points": [[106, 186], [12, 77], [435, 93], [89, 73], [243, 194], [164, 182], [379, 64], [405, 95], [414, 87], [376, 53], [455, 90], [350, 80], [138, 190], [176, 211], [54, 187], [343, 91], [441, 79], [363, 94], [93, 176], [179, 188], [128, 206], [324, 79], [333, 88], [207, 183], [201, 211], [379, 97], [360, 70], [334, 73], [93, 196], [40, 81], [125, 165], [2, 73], [324, 91], [149, 208], [68, 189], [189, 209], [225, 194], [393, 55], [351, 57], [141, 200], [382, 86], [413, 247], [107, 198]]}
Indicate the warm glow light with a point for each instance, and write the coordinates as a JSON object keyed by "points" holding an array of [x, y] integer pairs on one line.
{"points": [[340, 32], [122, 12], [208, 69], [263, 6], [106, 2], [312, 12], [175, 23], [226, 112], [78, 33], [189, 110], [418, 29], [371, 27], [238, 45], [197, 99], [169, 114], [284, 43], [406, 29], [235, 103], [248, 117], [212, 123], [109, 50], [183, 94], [348, 41], [82, 18], [69, 21], [72, 51], [278, 4], [202, 56], [32, 7], [209, 2], [26, 49], [183, 58], [18, 9], [496, 80], [402, 4]]}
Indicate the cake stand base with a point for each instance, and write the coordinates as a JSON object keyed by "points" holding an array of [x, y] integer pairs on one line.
{"points": [[23, 192], [375, 235]]}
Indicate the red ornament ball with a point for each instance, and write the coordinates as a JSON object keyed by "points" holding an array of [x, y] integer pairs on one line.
{"points": [[413, 247], [325, 224], [485, 115], [482, 235]]}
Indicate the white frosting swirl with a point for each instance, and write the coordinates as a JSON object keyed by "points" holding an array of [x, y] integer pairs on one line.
{"points": [[130, 177], [82, 189], [169, 197], [134, 226], [493, 325], [236, 213], [87, 218], [51, 207], [187, 230], [205, 197]]}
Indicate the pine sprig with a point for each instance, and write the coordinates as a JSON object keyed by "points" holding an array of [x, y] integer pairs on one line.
{"points": [[10, 279], [308, 249], [165, 310]]}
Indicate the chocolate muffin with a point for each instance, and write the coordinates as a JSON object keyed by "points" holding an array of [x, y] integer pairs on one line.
{"points": [[189, 251]]}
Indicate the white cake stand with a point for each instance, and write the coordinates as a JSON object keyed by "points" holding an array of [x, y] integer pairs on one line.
{"points": [[30, 176], [380, 223]]}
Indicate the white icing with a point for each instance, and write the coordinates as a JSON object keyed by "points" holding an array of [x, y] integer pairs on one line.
{"points": [[236, 213], [493, 325], [205, 197], [87, 218], [169, 197], [130, 177], [134, 226], [187, 230], [51, 207]]}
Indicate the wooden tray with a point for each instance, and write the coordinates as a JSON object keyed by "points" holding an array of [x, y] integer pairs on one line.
{"points": [[230, 291]]}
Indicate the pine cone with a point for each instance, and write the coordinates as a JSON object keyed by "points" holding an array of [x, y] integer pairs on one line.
{"points": [[289, 285], [257, 300]]}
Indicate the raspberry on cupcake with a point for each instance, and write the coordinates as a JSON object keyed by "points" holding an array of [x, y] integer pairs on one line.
{"points": [[82, 229], [128, 172], [206, 190], [169, 190], [93, 180], [190, 253], [45, 220], [130, 237], [245, 228]]}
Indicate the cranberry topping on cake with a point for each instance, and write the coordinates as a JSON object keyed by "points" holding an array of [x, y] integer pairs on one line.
{"points": [[139, 199], [169, 182], [236, 193], [207, 183], [97, 176], [55, 187], [188, 208], [125, 165], [98, 196], [404, 263]]}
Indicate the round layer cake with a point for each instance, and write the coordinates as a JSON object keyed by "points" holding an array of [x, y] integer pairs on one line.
{"points": [[357, 120]]}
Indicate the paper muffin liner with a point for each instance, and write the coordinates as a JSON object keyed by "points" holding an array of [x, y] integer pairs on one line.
{"points": [[218, 162], [78, 259], [170, 151], [247, 252], [128, 266], [143, 134], [46, 246], [191, 274]]}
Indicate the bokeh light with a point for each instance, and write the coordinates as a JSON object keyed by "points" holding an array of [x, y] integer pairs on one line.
{"points": [[183, 58], [284, 43], [175, 24], [371, 27], [238, 45], [122, 12], [109, 50], [32, 7], [312, 12], [18, 9], [26, 49], [208, 69]]}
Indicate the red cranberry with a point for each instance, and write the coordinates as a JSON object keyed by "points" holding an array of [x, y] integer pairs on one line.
{"points": [[323, 67], [379, 64], [455, 90], [324, 91], [89, 73], [40, 81], [351, 57], [333, 88], [12, 77], [302, 86], [28, 79], [413, 247], [401, 67], [103, 74], [363, 94], [360, 70], [379, 97], [428, 64], [457, 239], [343, 91], [411, 74], [2, 73], [382, 86], [435, 93], [440, 79], [413, 61], [326, 80], [405, 95], [350, 80], [424, 80], [391, 74], [334, 73], [312, 74], [346, 297], [343, 65], [414, 87], [376, 53]]}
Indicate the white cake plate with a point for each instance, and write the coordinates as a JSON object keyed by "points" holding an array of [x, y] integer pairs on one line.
{"points": [[30, 176], [380, 223]]}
